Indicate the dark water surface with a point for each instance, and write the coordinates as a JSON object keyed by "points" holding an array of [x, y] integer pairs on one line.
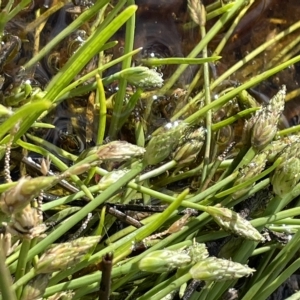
{"points": [[161, 29]]}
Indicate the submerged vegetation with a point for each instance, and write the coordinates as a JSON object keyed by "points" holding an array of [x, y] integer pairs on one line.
{"points": [[149, 149]]}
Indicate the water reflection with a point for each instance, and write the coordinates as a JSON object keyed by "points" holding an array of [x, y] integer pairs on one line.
{"points": [[161, 32]]}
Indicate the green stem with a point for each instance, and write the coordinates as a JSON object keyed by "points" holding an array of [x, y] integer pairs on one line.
{"points": [[129, 40], [208, 37], [158, 287], [170, 288], [86, 52], [140, 234], [73, 220], [238, 65], [206, 158], [177, 60], [274, 269], [230, 95], [102, 111], [248, 183], [93, 73], [129, 107], [229, 32], [24, 279], [139, 134], [232, 119], [21, 267], [6, 290]]}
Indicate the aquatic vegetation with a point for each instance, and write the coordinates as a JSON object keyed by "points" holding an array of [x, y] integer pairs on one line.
{"points": [[144, 137]]}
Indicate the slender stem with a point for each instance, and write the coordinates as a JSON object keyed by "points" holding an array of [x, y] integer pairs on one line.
{"points": [[157, 288], [21, 267], [93, 73], [209, 36], [241, 63], [274, 268], [119, 102], [129, 107], [171, 287], [225, 98], [139, 134], [232, 119], [206, 158], [7, 293], [234, 24], [102, 111], [43, 17], [248, 183]]}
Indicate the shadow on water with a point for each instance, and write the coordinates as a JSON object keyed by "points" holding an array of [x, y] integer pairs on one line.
{"points": [[161, 32]]}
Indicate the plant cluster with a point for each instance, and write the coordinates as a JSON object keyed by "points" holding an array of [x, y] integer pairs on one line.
{"points": [[136, 168]]}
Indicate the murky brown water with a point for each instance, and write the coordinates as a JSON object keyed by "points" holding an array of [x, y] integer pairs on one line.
{"points": [[160, 30]]}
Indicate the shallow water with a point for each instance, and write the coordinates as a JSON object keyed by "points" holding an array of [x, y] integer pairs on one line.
{"points": [[160, 30]]}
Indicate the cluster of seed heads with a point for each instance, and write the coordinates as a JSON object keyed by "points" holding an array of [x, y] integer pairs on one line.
{"points": [[16, 203], [202, 267]]}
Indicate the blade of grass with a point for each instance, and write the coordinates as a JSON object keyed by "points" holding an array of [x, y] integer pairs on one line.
{"points": [[129, 40], [255, 80], [274, 268], [85, 53], [23, 114], [7, 293], [177, 61], [209, 36], [102, 111]]}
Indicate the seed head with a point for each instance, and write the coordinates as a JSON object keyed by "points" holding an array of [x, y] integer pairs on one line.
{"points": [[18, 197], [197, 252], [197, 12], [278, 147], [233, 222], [143, 77], [189, 148], [65, 295], [26, 223], [77, 169], [266, 120], [286, 176], [216, 269], [63, 256], [36, 287], [114, 151], [255, 167], [164, 142], [5, 243], [163, 261]]}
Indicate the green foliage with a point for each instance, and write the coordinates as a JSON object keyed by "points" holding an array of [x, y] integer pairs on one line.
{"points": [[209, 151]]}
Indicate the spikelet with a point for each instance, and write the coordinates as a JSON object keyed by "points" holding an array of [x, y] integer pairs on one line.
{"points": [[233, 222], [65, 255], [143, 77], [162, 144], [163, 261], [216, 269], [266, 120]]}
